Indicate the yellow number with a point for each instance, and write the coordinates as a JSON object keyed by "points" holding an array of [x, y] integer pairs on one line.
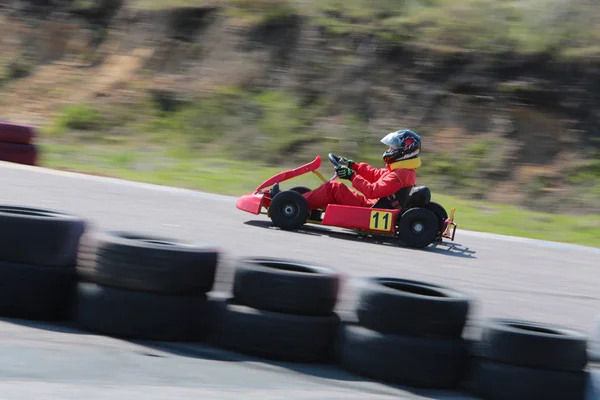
{"points": [[380, 220]]}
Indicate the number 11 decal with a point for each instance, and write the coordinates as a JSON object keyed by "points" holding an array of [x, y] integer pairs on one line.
{"points": [[380, 220]]}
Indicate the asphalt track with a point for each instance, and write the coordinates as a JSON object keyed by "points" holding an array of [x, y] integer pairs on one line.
{"points": [[507, 277]]}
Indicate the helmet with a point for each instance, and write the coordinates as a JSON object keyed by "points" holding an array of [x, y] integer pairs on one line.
{"points": [[403, 144]]}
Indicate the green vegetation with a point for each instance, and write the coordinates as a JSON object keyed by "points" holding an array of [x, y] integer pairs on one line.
{"points": [[267, 126], [565, 26], [14, 69], [76, 116]]}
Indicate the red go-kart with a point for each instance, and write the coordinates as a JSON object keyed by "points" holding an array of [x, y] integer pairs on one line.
{"points": [[418, 223]]}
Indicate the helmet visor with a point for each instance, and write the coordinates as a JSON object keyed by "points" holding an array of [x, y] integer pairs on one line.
{"points": [[392, 140]]}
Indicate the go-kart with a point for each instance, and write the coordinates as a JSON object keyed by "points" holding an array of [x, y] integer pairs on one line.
{"points": [[417, 221]]}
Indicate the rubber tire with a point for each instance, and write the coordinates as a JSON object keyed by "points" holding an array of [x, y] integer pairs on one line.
{"points": [[36, 292], [521, 343], [39, 236], [275, 336], [496, 381], [280, 285], [26, 154], [429, 234], [403, 360], [125, 260], [15, 133], [594, 341], [433, 311], [140, 315], [315, 215], [300, 189], [282, 199], [440, 212]]}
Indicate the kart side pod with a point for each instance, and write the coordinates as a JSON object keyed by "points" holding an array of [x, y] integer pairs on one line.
{"points": [[377, 220]]}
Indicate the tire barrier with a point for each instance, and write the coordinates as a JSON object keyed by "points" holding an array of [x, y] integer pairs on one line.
{"points": [[38, 250], [406, 332], [16, 144], [144, 287], [523, 360], [280, 310], [594, 341]]}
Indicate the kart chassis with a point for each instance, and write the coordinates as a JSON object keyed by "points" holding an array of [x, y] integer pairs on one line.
{"points": [[364, 220]]}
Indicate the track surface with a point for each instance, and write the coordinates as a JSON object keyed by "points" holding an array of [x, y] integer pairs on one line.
{"points": [[508, 277]]}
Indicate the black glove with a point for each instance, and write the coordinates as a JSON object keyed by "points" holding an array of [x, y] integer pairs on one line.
{"points": [[346, 161], [344, 172]]}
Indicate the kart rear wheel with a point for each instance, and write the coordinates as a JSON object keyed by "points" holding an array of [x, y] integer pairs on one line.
{"points": [[418, 227], [288, 210], [300, 189], [439, 211]]}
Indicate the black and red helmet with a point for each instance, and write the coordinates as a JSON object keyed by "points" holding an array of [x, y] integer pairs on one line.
{"points": [[402, 145]]}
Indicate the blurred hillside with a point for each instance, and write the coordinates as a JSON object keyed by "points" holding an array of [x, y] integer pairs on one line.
{"points": [[506, 94]]}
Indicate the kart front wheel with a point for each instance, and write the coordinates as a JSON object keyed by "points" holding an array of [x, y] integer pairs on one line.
{"points": [[418, 227], [288, 210]]}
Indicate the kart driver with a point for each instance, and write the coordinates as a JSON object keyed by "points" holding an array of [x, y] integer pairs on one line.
{"points": [[401, 158]]}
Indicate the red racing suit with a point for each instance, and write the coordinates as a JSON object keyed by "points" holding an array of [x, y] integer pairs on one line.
{"points": [[373, 183]]}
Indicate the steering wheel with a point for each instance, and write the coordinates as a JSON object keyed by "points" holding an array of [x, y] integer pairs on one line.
{"points": [[335, 160]]}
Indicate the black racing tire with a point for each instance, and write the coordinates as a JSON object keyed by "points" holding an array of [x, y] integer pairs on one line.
{"points": [[36, 292], [440, 212], [287, 286], [148, 263], [403, 360], [412, 308], [414, 219], [275, 336], [288, 210], [594, 341], [533, 345], [39, 236], [140, 315], [300, 189], [496, 381]]}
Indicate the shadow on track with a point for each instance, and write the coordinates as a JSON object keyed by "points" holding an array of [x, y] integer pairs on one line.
{"points": [[327, 372], [445, 248], [51, 326]]}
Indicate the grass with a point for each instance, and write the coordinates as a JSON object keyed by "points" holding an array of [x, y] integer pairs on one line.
{"points": [[234, 177], [477, 25]]}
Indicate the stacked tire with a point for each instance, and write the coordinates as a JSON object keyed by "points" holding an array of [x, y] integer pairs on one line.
{"points": [[38, 252], [521, 360], [16, 144], [280, 310], [144, 287], [594, 341], [407, 333]]}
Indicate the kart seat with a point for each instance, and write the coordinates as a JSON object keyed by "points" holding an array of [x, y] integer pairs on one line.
{"points": [[408, 197], [419, 196]]}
